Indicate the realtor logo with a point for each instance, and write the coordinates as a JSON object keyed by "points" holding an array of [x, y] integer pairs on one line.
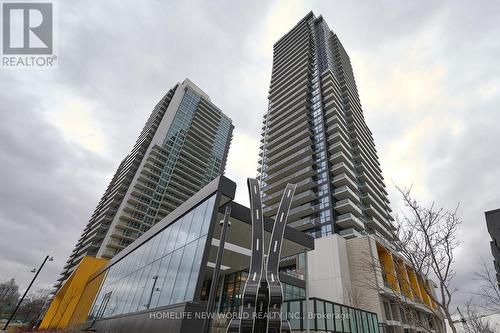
{"points": [[27, 29]]}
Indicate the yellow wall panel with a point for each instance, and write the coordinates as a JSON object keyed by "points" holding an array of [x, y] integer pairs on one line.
{"points": [[72, 302], [387, 265]]}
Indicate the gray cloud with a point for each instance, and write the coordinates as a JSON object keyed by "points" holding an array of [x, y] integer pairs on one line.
{"points": [[427, 73], [47, 187], [115, 62]]}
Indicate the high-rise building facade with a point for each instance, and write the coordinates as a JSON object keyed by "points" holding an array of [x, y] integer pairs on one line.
{"points": [[182, 148], [314, 135]]}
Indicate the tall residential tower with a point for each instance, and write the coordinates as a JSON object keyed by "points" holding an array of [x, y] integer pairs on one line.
{"points": [[314, 134], [182, 148]]}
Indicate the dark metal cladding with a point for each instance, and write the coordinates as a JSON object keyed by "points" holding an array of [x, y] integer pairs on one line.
{"points": [[263, 297], [250, 292], [262, 307], [273, 259], [248, 308], [234, 326], [218, 261]]}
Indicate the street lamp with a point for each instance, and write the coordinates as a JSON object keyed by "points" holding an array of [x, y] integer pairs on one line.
{"points": [[34, 270]]}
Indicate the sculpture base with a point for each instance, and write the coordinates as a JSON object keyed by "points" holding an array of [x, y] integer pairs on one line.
{"points": [[234, 327]]}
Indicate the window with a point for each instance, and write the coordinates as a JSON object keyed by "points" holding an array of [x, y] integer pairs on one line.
{"points": [[294, 314], [394, 311], [168, 283], [182, 278], [352, 321], [329, 317], [345, 319], [387, 311], [320, 311], [163, 270], [338, 318], [359, 321], [330, 325], [403, 315]]}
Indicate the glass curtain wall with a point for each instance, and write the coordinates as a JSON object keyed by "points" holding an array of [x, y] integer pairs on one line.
{"points": [[164, 270]]}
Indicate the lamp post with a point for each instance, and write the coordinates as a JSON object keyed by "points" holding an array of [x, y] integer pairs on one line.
{"points": [[49, 258]]}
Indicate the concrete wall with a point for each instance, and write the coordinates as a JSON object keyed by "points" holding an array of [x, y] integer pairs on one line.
{"points": [[350, 272], [328, 270], [365, 275]]}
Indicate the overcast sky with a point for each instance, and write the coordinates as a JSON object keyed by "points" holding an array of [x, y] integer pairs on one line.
{"points": [[428, 74]]}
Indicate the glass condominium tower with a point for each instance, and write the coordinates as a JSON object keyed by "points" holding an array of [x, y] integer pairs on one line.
{"points": [[314, 135], [182, 148]]}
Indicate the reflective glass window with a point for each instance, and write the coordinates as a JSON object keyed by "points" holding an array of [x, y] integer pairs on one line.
{"points": [[154, 254], [365, 323], [345, 319], [174, 231], [184, 230], [359, 321], [145, 259], [310, 309], [118, 290], [294, 314], [130, 289], [168, 284], [165, 234], [136, 290], [320, 315], [197, 223], [147, 287], [195, 270], [162, 274], [375, 323], [330, 324], [162, 271], [182, 278], [338, 318], [208, 216], [352, 320]]}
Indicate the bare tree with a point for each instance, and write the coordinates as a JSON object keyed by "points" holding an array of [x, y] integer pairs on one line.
{"points": [[488, 291], [353, 295], [9, 294], [400, 304], [427, 238], [32, 306], [473, 322]]}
